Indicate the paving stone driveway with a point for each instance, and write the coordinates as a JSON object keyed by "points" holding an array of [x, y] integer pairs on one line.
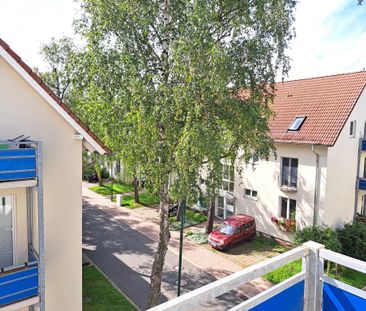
{"points": [[250, 253]]}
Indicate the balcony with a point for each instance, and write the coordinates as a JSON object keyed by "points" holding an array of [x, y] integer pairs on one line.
{"points": [[23, 285], [309, 290], [362, 184], [18, 164], [19, 285]]}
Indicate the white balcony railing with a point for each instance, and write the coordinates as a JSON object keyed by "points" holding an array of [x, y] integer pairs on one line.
{"points": [[308, 290]]}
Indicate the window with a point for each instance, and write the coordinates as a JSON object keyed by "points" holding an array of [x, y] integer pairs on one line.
{"points": [[118, 167], [250, 193], [352, 129], [228, 177], [296, 124], [288, 208], [289, 172], [363, 205]]}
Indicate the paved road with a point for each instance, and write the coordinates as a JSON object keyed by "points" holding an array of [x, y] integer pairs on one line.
{"points": [[126, 255]]}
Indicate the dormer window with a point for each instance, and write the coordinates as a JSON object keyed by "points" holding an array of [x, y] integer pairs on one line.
{"points": [[296, 124]]}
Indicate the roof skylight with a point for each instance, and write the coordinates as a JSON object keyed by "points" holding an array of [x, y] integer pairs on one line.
{"points": [[296, 124]]}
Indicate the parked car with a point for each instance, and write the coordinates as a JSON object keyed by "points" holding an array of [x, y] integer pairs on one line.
{"points": [[233, 230]]}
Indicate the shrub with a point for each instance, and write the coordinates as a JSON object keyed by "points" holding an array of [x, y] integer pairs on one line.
{"points": [[89, 173], [323, 235], [353, 240]]}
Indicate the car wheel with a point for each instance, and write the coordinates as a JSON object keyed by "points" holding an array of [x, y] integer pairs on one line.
{"points": [[251, 238], [226, 248]]}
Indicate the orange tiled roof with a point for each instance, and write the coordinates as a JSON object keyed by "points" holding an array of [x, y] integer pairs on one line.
{"points": [[325, 101], [35, 77]]}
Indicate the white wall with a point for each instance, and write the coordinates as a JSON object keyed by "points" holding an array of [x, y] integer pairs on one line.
{"points": [[265, 179], [24, 112], [342, 170]]}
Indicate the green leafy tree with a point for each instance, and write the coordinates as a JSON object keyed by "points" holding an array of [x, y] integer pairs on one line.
{"points": [[162, 82], [59, 55]]}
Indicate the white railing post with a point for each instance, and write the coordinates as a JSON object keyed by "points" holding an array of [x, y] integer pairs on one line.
{"points": [[312, 265]]}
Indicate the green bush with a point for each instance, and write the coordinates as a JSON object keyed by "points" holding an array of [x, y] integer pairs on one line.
{"points": [[195, 216], [89, 173], [320, 234], [353, 240]]}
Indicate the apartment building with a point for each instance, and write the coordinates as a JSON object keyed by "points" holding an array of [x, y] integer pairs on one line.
{"points": [[319, 173]]}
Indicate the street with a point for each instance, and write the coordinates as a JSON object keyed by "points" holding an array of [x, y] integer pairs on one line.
{"points": [[125, 256]]}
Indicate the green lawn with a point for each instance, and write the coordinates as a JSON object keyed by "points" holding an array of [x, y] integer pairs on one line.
{"points": [[146, 199], [100, 295], [346, 275], [107, 188], [283, 273], [192, 218]]}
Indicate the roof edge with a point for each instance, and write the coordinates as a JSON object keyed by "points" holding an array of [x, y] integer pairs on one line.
{"points": [[15, 61]]}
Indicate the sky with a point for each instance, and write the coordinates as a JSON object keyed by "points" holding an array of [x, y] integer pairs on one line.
{"points": [[330, 34]]}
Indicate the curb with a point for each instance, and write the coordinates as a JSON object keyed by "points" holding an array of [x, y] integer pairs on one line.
{"points": [[114, 285]]}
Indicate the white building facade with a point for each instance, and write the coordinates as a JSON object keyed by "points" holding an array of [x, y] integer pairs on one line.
{"points": [[318, 176]]}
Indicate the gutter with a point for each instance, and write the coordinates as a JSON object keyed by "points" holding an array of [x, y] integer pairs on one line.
{"points": [[317, 186], [357, 180]]}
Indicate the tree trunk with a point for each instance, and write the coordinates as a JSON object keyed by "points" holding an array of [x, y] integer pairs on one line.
{"points": [[159, 260], [211, 216], [164, 235], [99, 175], [136, 189]]}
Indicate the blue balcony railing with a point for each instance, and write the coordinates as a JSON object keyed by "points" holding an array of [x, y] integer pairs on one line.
{"points": [[362, 184], [17, 164], [18, 284], [363, 145]]}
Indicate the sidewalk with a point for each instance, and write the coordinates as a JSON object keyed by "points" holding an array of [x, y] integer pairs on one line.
{"points": [[146, 221]]}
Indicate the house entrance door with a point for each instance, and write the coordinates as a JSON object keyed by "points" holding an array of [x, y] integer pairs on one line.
{"points": [[6, 231]]}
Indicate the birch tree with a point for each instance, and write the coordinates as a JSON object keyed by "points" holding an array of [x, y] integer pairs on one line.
{"points": [[162, 79]]}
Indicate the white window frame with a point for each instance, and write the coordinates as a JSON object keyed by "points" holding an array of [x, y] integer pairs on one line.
{"points": [[352, 129], [225, 209], [363, 205], [287, 207], [13, 225], [229, 181], [289, 175], [251, 196]]}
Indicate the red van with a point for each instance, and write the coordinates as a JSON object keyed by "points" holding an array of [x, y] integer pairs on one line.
{"points": [[233, 230]]}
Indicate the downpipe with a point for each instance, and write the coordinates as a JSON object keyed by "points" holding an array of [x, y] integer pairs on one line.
{"points": [[316, 190]]}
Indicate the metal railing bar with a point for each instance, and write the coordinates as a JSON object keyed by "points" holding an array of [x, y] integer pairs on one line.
{"points": [[17, 171], [343, 260], [16, 269], [269, 293], [348, 288], [19, 279], [20, 292], [17, 157], [192, 299]]}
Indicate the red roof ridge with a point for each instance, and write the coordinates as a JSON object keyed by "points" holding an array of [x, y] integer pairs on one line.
{"points": [[325, 76], [48, 90]]}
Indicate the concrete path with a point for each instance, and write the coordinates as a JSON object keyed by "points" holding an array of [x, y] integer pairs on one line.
{"points": [[122, 245]]}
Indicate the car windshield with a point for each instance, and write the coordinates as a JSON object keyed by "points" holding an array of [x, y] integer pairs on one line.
{"points": [[226, 229]]}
